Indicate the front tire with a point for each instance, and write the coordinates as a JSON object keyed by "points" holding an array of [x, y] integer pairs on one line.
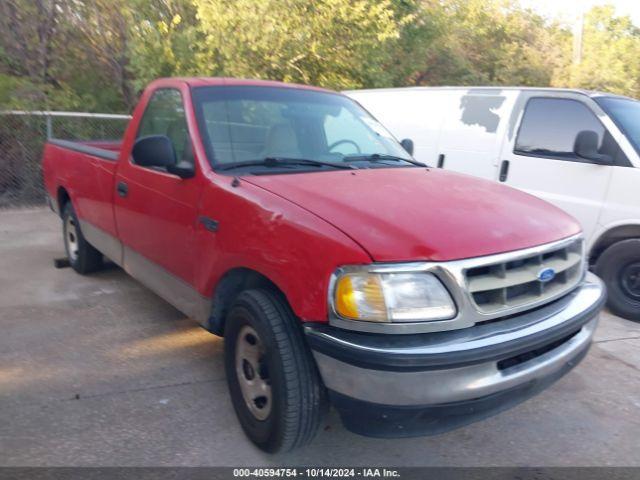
{"points": [[83, 257], [275, 388], [619, 268]]}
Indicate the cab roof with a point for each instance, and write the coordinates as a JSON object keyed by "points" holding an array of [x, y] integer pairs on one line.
{"points": [[228, 81], [589, 93]]}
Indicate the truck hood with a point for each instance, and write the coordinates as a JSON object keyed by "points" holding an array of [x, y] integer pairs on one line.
{"points": [[408, 214]]}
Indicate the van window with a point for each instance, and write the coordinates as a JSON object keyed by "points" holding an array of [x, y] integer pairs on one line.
{"points": [[626, 115], [550, 126]]}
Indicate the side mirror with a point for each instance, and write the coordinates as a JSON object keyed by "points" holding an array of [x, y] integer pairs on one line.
{"points": [[407, 144], [158, 151], [154, 151], [586, 146], [182, 169]]}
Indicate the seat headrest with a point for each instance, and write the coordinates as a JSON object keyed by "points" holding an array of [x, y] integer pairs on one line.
{"points": [[281, 141]]}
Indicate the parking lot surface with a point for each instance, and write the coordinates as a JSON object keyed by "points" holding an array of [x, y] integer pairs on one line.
{"points": [[99, 371]]}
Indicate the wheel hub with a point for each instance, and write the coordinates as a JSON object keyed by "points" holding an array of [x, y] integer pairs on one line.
{"points": [[252, 373], [71, 238], [630, 280]]}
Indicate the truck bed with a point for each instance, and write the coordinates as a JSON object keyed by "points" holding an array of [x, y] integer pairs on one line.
{"points": [[106, 149], [87, 169]]}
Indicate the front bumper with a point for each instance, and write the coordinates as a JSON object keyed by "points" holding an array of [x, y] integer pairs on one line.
{"points": [[405, 385]]}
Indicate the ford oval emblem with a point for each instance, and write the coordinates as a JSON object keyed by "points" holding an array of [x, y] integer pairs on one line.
{"points": [[546, 275]]}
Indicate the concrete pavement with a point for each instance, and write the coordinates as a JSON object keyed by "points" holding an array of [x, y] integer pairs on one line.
{"points": [[99, 371]]}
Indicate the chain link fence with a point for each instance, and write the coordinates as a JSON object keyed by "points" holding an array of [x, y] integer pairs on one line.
{"points": [[22, 137]]}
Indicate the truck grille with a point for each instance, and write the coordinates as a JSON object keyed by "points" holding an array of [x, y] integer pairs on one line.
{"points": [[515, 283]]}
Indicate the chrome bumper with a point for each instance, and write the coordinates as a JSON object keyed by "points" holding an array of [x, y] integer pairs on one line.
{"points": [[459, 366]]}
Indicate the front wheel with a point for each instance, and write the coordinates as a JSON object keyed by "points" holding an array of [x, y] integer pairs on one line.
{"points": [[619, 268], [83, 257], [274, 385]]}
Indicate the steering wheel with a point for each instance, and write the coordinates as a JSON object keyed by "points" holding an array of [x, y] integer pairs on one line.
{"points": [[340, 142]]}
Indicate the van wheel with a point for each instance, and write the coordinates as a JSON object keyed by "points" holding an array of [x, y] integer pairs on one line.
{"points": [[275, 388], [619, 267], [83, 257]]}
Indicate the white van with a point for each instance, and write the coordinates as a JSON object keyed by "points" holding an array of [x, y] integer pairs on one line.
{"points": [[576, 149]]}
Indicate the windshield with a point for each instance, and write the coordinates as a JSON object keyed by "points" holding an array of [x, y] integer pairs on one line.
{"points": [[626, 115], [244, 125]]}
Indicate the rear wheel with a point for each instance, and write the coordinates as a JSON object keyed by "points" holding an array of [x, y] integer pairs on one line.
{"points": [[274, 385], [619, 267], [83, 257]]}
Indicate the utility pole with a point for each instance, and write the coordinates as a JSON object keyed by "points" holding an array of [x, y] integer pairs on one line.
{"points": [[578, 30]]}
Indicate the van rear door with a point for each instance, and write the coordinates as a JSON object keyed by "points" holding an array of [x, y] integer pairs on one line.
{"points": [[538, 154]]}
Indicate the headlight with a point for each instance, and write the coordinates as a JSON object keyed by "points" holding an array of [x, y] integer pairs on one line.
{"points": [[391, 297]]}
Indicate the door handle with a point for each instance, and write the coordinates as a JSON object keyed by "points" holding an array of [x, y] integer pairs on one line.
{"points": [[441, 160], [504, 170], [122, 189]]}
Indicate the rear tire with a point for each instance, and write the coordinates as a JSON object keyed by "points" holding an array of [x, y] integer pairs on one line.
{"points": [[619, 268], [275, 387], [83, 257]]}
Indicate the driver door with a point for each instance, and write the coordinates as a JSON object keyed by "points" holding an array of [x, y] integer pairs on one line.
{"points": [[538, 155], [156, 212]]}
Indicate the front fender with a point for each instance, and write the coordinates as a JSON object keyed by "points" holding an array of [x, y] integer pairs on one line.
{"points": [[260, 231]]}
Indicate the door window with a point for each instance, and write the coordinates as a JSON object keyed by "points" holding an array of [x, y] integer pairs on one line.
{"points": [[550, 126], [626, 114], [165, 115]]}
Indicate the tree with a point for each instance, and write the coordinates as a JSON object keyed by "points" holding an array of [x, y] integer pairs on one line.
{"points": [[54, 54], [96, 55], [489, 43], [27, 31], [333, 43], [164, 39], [27, 44], [98, 35], [610, 60]]}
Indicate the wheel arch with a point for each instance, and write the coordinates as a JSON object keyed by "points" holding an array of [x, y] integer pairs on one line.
{"points": [[230, 285], [610, 236]]}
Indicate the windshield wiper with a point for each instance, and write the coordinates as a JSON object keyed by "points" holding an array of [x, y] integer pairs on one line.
{"points": [[377, 157], [284, 162]]}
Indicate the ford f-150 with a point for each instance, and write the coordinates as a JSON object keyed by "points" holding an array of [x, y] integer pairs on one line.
{"points": [[339, 269]]}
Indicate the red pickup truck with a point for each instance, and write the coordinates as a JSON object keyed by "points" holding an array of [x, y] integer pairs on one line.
{"points": [[338, 269]]}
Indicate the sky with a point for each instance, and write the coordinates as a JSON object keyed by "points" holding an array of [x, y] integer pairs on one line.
{"points": [[568, 10]]}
